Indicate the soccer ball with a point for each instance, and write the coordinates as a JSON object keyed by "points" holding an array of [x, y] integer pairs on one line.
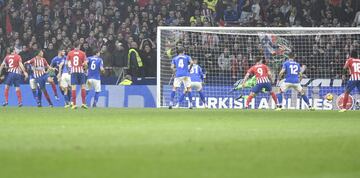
{"points": [[329, 97]]}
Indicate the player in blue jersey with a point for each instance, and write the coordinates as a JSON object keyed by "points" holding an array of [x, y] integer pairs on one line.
{"points": [[55, 63], [95, 67], [292, 71], [180, 65], [197, 77], [64, 79], [33, 85]]}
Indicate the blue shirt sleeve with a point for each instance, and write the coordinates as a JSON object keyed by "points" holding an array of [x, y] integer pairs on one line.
{"points": [[101, 63], [53, 61]]}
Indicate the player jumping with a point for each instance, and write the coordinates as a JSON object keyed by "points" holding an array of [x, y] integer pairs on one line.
{"points": [[77, 61], [353, 66], [39, 66], [180, 65], [291, 70], [15, 66], [263, 78], [95, 64]]}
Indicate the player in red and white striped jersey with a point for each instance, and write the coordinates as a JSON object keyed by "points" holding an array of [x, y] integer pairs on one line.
{"points": [[15, 67], [263, 80], [353, 66], [77, 62], [39, 66]]}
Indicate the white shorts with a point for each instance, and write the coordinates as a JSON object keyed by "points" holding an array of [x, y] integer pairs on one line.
{"points": [[32, 83], [93, 83], [196, 86], [65, 80], [185, 80], [284, 86]]}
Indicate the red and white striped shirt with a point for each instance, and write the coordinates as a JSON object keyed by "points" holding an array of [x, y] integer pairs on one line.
{"points": [[77, 60], [353, 65], [13, 61], [261, 73], [39, 65]]}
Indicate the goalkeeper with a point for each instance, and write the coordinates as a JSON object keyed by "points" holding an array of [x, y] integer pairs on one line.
{"points": [[248, 84]]}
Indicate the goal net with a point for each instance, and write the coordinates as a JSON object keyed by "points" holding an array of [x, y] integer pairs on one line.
{"points": [[225, 54]]}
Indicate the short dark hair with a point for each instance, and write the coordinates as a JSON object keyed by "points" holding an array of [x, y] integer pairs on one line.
{"points": [[291, 55], [76, 44], [11, 49], [354, 54], [180, 49], [260, 59]]}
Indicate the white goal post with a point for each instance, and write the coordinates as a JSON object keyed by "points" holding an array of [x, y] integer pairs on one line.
{"points": [[225, 53]]}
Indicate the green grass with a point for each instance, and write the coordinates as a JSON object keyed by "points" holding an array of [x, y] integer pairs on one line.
{"points": [[159, 143]]}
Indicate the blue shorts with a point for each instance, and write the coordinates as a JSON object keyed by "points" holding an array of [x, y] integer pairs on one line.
{"points": [[13, 79], [258, 87], [78, 79], [41, 81], [352, 84]]}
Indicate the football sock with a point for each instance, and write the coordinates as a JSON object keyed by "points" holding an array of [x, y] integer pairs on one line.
{"points": [[248, 100], [346, 98], [53, 86], [34, 94], [280, 98], [39, 95], [96, 97], [47, 97], [83, 96], [190, 98], [202, 96], [181, 98], [306, 99], [6, 93], [73, 96], [273, 95], [18, 94], [172, 96]]}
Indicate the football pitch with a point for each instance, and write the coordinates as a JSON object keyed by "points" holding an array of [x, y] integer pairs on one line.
{"points": [[180, 143]]}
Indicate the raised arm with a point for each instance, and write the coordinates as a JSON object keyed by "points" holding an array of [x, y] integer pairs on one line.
{"points": [[2, 66], [191, 64], [102, 70], [270, 75], [281, 74]]}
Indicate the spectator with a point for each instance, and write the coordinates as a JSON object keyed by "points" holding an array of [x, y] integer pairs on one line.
{"points": [[224, 60], [148, 55], [135, 63], [119, 57], [50, 53]]}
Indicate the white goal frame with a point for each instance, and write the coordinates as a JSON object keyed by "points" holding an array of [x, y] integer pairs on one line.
{"points": [[344, 30]]}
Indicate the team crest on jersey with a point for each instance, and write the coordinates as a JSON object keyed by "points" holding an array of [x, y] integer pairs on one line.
{"points": [[349, 104]]}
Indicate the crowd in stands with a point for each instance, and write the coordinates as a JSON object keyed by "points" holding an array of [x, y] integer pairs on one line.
{"points": [[117, 26]]}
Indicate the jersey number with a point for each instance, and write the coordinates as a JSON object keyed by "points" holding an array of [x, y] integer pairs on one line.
{"points": [[260, 71], [356, 67], [294, 69], [181, 63], [93, 65], [11, 62], [194, 70], [76, 60]]}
